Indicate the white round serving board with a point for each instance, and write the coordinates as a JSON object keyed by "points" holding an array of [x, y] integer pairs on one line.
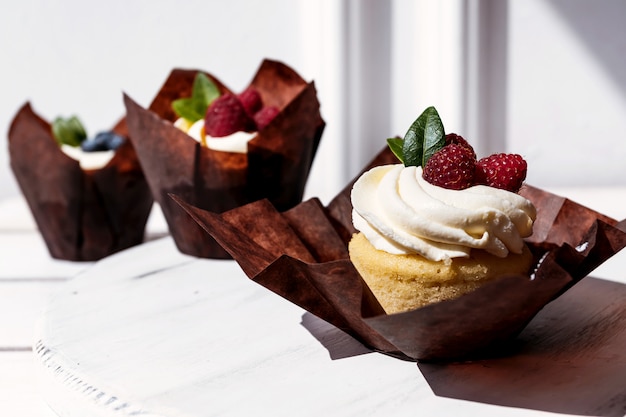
{"points": [[152, 332]]}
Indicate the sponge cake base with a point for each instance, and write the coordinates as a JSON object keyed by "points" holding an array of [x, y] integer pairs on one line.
{"points": [[406, 282]]}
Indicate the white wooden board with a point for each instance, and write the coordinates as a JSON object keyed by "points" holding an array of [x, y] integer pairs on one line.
{"points": [[152, 332]]}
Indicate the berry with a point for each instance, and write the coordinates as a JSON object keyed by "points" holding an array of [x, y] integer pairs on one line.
{"points": [[453, 167], [103, 141], [453, 138], [264, 116], [251, 100], [227, 115], [505, 171]]}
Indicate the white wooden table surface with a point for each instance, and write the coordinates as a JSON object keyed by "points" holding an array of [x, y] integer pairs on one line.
{"points": [[28, 278], [31, 283]]}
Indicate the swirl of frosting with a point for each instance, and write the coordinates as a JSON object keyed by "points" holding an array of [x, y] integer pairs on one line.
{"points": [[401, 213]]}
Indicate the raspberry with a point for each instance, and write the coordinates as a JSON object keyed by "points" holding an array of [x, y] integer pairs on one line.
{"points": [[264, 116], [251, 100], [453, 167], [226, 115], [459, 140], [505, 171]]}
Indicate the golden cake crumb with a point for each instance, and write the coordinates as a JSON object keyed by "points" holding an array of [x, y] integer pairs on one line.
{"points": [[405, 282]]}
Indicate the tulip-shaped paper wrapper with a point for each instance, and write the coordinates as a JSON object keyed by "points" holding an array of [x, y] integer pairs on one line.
{"points": [[301, 254], [276, 166], [83, 215]]}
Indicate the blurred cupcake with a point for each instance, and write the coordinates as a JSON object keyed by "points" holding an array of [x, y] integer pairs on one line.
{"points": [[220, 150], [88, 196]]}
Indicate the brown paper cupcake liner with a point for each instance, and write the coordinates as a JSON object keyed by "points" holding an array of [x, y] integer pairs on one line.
{"points": [[569, 359], [301, 254], [83, 215], [276, 166]]}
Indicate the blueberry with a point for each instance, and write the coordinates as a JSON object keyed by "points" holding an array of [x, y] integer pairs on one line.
{"points": [[103, 141]]}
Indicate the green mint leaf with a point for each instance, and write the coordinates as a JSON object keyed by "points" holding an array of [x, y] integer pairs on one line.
{"points": [[204, 89], [186, 108], [68, 131], [424, 138], [395, 144], [203, 92], [412, 147], [434, 135]]}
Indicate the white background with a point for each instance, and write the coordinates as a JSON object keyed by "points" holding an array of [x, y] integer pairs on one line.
{"points": [[546, 79]]}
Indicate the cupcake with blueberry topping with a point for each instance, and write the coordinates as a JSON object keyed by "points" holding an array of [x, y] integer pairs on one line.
{"points": [[88, 196]]}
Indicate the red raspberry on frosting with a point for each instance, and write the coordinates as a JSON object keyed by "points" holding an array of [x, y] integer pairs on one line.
{"points": [[264, 116], [451, 138], [227, 115], [501, 170], [251, 100], [453, 167]]}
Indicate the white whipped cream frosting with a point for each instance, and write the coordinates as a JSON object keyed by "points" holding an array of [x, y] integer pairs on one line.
{"points": [[88, 160], [237, 142], [401, 213]]}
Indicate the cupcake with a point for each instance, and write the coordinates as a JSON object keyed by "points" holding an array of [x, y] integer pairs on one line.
{"points": [[439, 225], [88, 196], [302, 255], [218, 149]]}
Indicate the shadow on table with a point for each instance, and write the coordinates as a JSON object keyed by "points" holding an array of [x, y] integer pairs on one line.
{"points": [[570, 359], [339, 344]]}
